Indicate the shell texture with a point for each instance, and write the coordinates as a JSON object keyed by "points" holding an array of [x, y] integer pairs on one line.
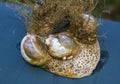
{"points": [[33, 50], [61, 46], [82, 59], [81, 65]]}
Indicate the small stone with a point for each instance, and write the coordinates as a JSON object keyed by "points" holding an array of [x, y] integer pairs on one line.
{"points": [[70, 57], [64, 58]]}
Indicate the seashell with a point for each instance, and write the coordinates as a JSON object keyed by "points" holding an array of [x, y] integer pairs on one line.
{"points": [[33, 50], [87, 34], [89, 23], [61, 46], [61, 54], [89, 17], [82, 65]]}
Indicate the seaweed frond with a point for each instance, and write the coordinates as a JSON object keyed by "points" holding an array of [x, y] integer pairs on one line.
{"points": [[47, 16]]}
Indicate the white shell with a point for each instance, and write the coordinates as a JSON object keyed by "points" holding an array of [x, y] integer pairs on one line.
{"points": [[33, 50], [89, 17], [60, 46]]}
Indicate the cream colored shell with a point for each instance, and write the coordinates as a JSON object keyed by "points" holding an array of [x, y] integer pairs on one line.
{"points": [[81, 65], [78, 59], [33, 50], [61, 46]]}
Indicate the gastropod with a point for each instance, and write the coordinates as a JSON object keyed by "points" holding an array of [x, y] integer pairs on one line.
{"points": [[35, 49]]}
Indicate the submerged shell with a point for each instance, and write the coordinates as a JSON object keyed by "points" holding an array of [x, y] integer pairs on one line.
{"points": [[33, 50]]}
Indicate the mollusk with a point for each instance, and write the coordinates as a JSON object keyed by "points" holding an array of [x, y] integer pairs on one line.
{"points": [[61, 46], [33, 50], [73, 60], [89, 22]]}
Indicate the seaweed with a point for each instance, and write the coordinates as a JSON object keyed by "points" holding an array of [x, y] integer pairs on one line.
{"points": [[49, 15]]}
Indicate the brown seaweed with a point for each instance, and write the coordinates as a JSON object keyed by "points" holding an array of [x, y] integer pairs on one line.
{"points": [[48, 17]]}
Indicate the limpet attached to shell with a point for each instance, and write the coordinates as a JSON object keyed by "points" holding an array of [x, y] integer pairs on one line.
{"points": [[89, 17], [61, 46], [33, 50], [89, 23]]}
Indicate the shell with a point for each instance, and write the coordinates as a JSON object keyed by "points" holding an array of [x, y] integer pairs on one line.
{"points": [[61, 46], [89, 23], [33, 50], [80, 62], [81, 65]]}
